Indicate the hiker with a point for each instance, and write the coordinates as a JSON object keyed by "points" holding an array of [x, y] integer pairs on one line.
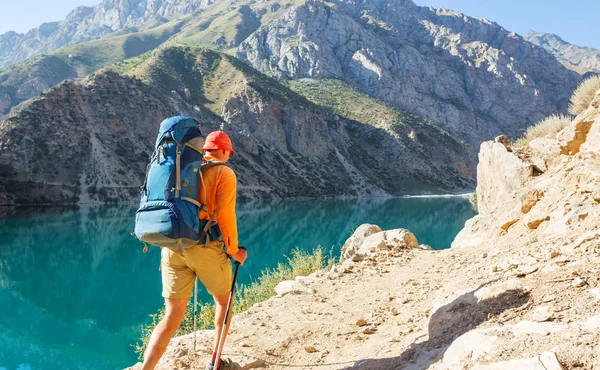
{"points": [[207, 261]]}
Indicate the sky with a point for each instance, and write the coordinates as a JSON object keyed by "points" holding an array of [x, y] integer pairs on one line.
{"points": [[576, 21], [23, 15]]}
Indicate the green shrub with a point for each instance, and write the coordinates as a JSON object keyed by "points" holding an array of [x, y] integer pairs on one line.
{"points": [[584, 94], [548, 127], [299, 264]]}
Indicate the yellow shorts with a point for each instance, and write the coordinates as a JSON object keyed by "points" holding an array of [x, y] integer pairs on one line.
{"points": [[207, 262]]}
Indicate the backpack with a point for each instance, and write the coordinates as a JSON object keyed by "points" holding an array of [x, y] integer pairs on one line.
{"points": [[169, 210]]}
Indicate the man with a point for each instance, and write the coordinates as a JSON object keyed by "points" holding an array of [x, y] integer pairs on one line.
{"points": [[206, 261]]}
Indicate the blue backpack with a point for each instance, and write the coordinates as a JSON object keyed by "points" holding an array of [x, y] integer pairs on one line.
{"points": [[169, 210]]}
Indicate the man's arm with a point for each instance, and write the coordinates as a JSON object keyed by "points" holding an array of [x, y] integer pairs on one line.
{"points": [[226, 199]]}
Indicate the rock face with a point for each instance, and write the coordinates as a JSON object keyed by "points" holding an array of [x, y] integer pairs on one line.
{"points": [[469, 76], [578, 58], [89, 23], [514, 194]]}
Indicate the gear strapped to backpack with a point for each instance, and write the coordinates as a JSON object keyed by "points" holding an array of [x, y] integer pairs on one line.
{"points": [[169, 210]]}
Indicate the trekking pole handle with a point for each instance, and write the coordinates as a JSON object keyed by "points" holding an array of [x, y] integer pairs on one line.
{"points": [[240, 247], [236, 262]]}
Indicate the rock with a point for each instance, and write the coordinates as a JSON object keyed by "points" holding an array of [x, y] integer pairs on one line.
{"points": [[588, 236], [596, 293], [361, 322], [524, 328], [535, 223], [539, 165], [530, 199], [310, 349], [472, 345], [508, 224], [244, 344], [425, 247], [522, 271], [356, 240], [550, 362], [255, 365], [500, 175], [578, 283], [504, 140], [291, 286], [391, 239], [542, 313], [517, 364], [572, 137], [369, 330]]}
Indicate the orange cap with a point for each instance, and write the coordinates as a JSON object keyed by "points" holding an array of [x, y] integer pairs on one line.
{"points": [[218, 140]]}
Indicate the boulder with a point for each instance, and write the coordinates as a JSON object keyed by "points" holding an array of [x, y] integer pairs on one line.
{"points": [[291, 286], [388, 240], [500, 177], [470, 346], [545, 361], [356, 240]]}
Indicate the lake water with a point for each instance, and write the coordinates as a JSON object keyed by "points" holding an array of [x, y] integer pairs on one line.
{"points": [[75, 287]]}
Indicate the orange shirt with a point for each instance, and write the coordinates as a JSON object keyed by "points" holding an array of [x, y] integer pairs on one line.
{"points": [[221, 190]]}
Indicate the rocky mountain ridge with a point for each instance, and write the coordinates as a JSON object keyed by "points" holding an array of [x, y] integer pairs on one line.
{"points": [[578, 58], [103, 129], [519, 289], [86, 23], [469, 76]]}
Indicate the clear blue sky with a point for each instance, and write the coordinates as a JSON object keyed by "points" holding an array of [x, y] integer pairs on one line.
{"points": [[576, 21], [23, 15]]}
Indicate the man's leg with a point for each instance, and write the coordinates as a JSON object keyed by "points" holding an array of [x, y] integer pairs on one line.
{"points": [[163, 332], [220, 308]]}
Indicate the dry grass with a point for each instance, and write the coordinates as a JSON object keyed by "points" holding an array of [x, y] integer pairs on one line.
{"points": [[548, 127], [584, 94]]}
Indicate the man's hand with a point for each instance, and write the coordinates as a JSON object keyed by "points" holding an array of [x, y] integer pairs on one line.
{"points": [[240, 256]]}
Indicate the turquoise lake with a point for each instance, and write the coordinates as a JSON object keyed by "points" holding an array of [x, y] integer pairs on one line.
{"points": [[75, 286]]}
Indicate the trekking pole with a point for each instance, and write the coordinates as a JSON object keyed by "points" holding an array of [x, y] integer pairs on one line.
{"points": [[227, 312], [195, 309]]}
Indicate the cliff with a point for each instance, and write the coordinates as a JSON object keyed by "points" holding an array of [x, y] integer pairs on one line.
{"points": [[578, 58], [518, 289], [471, 77]]}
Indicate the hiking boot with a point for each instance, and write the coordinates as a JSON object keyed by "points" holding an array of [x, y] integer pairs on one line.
{"points": [[226, 364]]}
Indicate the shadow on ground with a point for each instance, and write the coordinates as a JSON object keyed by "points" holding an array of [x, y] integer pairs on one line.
{"points": [[449, 322]]}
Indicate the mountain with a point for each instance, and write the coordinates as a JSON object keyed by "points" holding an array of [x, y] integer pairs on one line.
{"points": [[469, 76], [578, 58], [90, 140], [90, 23], [400, 96]]}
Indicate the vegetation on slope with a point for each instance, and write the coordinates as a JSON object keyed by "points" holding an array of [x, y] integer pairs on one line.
{"points": [[584, 94], [548, 127]]}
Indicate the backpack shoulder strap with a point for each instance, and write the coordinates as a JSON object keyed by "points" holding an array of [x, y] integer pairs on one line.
{"points": [[209, 164]]}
